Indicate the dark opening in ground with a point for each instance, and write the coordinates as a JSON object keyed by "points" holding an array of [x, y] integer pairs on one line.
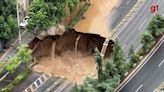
{"points": [[70, 55]]}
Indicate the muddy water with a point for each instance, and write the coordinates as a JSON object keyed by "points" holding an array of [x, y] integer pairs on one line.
{"points": [[74, 65], [68, 66], [97, 18]]}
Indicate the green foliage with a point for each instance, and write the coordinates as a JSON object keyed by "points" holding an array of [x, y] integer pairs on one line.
{"points": [[78, 16], [8, 28], [7, 7], [156, 23], [119, 59], [13, 64], [45, 13], [109, 73], [147, 41], [99, 64], [133, 58], [108, 85], [16, 81], [73, 4], [24, 53], [8, 24], [110, 70]]}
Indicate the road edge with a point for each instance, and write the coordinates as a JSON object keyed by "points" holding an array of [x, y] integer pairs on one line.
{"points": [[140, 65]]}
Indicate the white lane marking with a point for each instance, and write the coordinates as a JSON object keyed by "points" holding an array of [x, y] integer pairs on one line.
{"points": [[127, 2], [138, 68], [139, 88], [139, 47], [158, 2], [142, 24], [161, 63]]}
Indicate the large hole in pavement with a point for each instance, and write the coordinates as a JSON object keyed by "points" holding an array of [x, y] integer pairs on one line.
{"points": [[70, 55]]}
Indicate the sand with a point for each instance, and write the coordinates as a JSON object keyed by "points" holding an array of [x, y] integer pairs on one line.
{"points": [[97, 18]]}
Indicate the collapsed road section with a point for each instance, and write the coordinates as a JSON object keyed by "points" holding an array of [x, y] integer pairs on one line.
{"points": [[70, 55]]}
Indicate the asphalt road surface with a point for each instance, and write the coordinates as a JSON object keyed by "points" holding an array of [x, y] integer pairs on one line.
{"points": [[120, 11], [131, 34], [150, 76]]}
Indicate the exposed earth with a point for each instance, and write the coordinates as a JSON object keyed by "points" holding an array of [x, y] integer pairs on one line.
{"points": [[64, 62]]}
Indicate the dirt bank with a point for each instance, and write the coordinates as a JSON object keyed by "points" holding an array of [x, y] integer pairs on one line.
{"points": [[66, 63]]}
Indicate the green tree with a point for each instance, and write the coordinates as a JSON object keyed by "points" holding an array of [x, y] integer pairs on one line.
{"points": [[108, 85], [8, 24], [110, 69], [133, 57], [24, 54], [147, 41], [99, 64], [119, 59], [73, 4], [46, 13], [13, 63], [156, 23]]}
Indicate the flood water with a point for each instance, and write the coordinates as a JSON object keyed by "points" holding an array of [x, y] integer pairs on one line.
{"points": [[96, 18]]}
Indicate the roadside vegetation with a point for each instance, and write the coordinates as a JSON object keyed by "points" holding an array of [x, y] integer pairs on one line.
{"points": [[23, 56], [8, 23], [111, 71], [47, 13], [19, 78], [78, 16], [155, 31]]}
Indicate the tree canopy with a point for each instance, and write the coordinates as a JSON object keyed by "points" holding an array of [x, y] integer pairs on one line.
{"points": [[8, 23], [45, 13]]}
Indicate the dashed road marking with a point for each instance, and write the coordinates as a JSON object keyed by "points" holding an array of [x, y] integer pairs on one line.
{"points": [[161, 63], [139, 88], [142, 24]]}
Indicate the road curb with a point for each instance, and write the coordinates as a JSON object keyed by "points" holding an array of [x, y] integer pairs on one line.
{"points": [[128, 17], [140, 65], [122, 24]]}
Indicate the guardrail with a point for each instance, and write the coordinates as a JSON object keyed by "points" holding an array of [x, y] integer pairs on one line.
{"points": [[130, 14], [126, 19]]}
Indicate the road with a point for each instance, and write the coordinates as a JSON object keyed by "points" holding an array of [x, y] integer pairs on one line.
{"points": [[131, 33], [150, 76], [120, 11], [26, 38]]}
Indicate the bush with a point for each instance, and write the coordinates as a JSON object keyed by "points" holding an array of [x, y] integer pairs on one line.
{"points": [[16, 81], [141, 52], [78, 16]]}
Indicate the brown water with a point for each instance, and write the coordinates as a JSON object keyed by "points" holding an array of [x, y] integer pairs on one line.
{"points": [[68, 66], [97, 18], [73, 55]]}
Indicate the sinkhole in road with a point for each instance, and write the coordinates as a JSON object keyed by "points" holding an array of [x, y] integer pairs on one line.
{"points": [[70, 55]]}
